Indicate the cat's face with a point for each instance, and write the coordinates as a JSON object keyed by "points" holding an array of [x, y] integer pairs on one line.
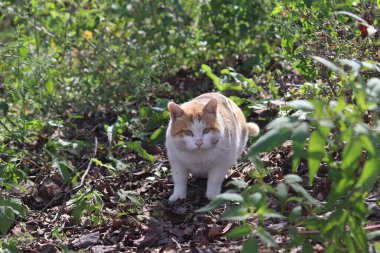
{"points": [[194, 126]]}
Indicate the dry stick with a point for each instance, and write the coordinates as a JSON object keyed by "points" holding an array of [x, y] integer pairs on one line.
{"points": [[75, 188], [324, 74], [88, 167], [331, 87], [82, 178]]}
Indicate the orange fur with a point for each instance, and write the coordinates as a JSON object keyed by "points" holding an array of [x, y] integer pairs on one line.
{"points": [[192, 111], [230, 112]]}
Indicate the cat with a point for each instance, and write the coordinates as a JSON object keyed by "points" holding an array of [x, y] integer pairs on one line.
{"points": [[205, 137]]}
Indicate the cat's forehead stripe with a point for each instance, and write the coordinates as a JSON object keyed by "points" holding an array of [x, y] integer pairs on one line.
{"points": [[198, 125], [194, 124]]}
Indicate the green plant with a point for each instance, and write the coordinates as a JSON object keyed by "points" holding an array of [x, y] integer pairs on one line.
{"points": [[327, 130], [9, 209], [87, 202]]}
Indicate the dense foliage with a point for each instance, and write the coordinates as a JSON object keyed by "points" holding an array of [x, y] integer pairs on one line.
{"points": [[85, 83]]}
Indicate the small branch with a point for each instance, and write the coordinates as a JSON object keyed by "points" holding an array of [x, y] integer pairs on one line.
{"points": [[331, 87], [325, 76], [75, 188], [88, 166]]}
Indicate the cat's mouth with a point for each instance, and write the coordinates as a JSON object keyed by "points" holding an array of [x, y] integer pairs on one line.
{"points": [[196, 149]]}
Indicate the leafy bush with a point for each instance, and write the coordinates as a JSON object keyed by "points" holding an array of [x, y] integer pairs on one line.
{"points": [[72, 70], [337, 129], [327, 130]]}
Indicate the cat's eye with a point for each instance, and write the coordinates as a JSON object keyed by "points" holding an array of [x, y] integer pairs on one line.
{"points": [[206, 130], [188, 132]]}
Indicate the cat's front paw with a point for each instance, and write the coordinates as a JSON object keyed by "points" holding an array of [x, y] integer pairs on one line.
{"points": [[176, 196]]}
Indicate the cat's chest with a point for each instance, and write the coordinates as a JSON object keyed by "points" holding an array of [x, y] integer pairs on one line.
{"points": [[199, 163]]}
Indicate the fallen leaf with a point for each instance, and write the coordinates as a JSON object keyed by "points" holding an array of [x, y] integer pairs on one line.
{"points": [[86, 240]]}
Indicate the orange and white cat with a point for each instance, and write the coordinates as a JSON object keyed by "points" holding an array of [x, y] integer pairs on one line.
{"points": [[205, 137]]}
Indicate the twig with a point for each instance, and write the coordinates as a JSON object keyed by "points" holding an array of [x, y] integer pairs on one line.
{"points": [[58, 214], [75, 188], [331, 87], [88, 166], [326, 77]]}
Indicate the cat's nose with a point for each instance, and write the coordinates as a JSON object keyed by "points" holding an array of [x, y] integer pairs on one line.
{"points": [[199, 143]]}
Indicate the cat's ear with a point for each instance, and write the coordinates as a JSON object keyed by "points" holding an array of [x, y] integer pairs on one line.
{"points": [[175, 110], [211, 106]]}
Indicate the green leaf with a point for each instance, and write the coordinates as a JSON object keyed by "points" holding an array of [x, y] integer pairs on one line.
{"points": [[229, 86], [301, 105], [284, 122], [214, 204], [17, 207], [219, 200], [250, 246], [269, 140], [328, 64], [24, 52], [108, 166], [78, 210], [240, 231], [50, 87], [292, 178], [308, 3], [287, 44], [277, 9], [10, 246], [158, 135], [300, 190], [299, 137], [373, 235], [229, 196], [237, 213], [259, 166], [131, 195], [307, 248], [7, 216], [238, 183], [295, 214], [316, 151], [4, 107], [373, 88], [266, 237], [64, 168], [367, 144], [282, 193], [351, 15], [358, 234], [351, 154], [157, 119], [136, 146], [343, 185], [348, 243], [354, 64], [207, 70], [370, 174], [269, 213], [257, 199]]}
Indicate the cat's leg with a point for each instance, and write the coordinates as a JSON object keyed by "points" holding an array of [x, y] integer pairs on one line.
{"points": [[180, 176], [214, 182]]}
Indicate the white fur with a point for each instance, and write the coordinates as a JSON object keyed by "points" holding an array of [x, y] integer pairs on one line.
{"points": [[218, 153]]}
